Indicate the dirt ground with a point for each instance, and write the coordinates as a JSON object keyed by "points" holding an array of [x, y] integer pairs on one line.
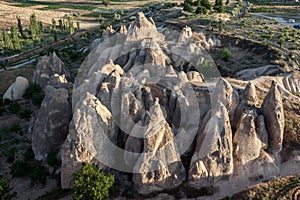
{"points": [[9, 12]]}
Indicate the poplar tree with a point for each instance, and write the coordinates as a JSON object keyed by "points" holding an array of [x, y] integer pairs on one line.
{"points": [[7, 40], [15, 38], [34, 27], [20, 27]]}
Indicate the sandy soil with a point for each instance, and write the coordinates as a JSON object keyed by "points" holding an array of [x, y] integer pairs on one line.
{"points": [[9, 13]]}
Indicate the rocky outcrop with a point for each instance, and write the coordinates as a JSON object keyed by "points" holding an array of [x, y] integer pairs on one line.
{"points": [[16, 89], [47, 67], [212, 160], [291, 83], [49, 127], [159, 166], [156, 108], [250, 74], [92, 137], [272, 109]]}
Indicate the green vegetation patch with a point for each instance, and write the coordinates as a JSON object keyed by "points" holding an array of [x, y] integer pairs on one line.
{"points": [[91, 183], [52, 6]]}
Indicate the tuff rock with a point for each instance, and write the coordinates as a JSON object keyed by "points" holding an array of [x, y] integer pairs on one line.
{"points": [[49, 127], [48, 66], [16, 89]]}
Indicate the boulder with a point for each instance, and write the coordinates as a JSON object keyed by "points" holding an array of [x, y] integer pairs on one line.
{"points": [[16, 89], [49, 127]]}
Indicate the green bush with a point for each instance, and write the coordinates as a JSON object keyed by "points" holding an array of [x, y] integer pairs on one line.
{"points": [[14, 107], [105, 2], [20, 168], [35, 93], [24, 113], [5, 190], [91, 183], [225, 54], [206, 4], [201, 10], [187, 7], [52, 160]]}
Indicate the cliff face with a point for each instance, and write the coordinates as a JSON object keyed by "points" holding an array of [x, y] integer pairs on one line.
{"points": [[155, 105]]}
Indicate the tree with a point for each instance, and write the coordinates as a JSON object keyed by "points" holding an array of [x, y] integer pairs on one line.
{"points": [[1, 39], [15, 38], [53, 24], [201, 10], [187, 6], [218, 7], [105, 2], [7, 40], [91, 183], [5, 190], [78, 26], [70, 25], [20, 27], [281, 42], [34, 27], [206, 4]]}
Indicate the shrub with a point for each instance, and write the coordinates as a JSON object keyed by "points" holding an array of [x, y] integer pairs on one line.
{"points": [[38, 175], [52, 160], [5, 190], [187, 7], [105, 2], [20, 168], [225, 54], [24, 113], [35, 93], [91, 183], [201, 10], [206, 4], [14, 107]]}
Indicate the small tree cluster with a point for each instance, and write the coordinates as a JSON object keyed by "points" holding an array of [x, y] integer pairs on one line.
{"points": [[202, 6], [64, 25], [91, 183], [201, 10], [10, 41], [219, 7], [188, 6]]}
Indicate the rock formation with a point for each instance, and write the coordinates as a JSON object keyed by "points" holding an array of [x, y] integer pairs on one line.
{"points": [[159, 166], [272, 109], [249, 74], [49, 66], [16, 89], [88, 138], [49, 127], [212, 159], [155, 107]]}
